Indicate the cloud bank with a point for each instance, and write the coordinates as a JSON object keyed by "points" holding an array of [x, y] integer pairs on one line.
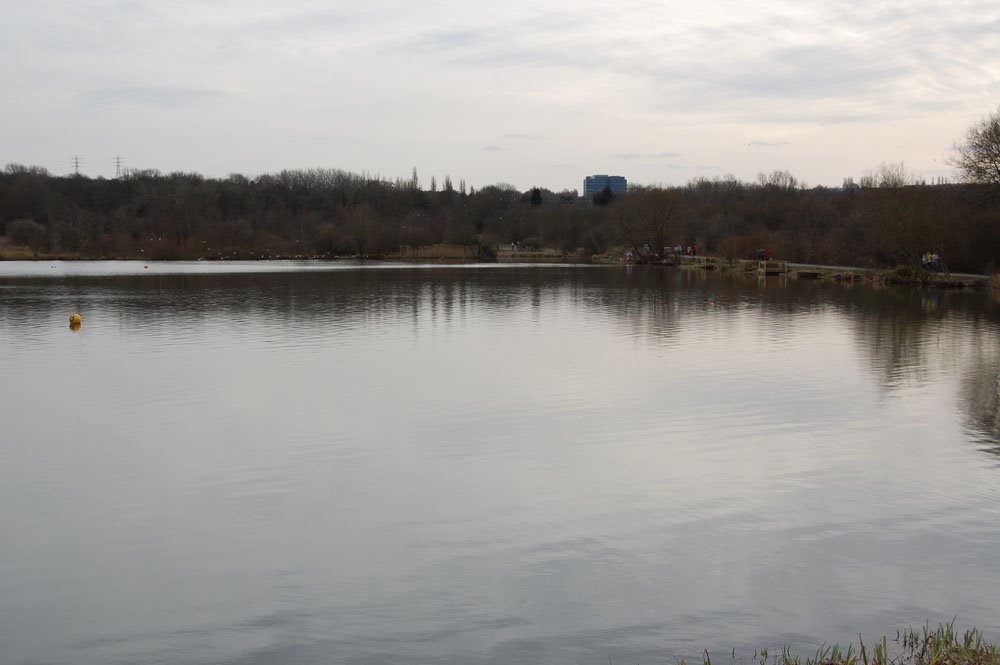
{"points": [[653, 91]]}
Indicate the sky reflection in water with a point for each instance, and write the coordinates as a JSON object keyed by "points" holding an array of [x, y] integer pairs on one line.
{"points": [[485, 464]]}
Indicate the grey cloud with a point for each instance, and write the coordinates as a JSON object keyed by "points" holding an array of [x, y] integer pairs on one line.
{"points": [[812, 72], [496, 41], [646, 155], [672, 167], [514, 45], [866, 59], [729, 84], [492, 148], [447, 40], [819, 84], [570, 57], [987, 29], [310, 21], [164, 97]]}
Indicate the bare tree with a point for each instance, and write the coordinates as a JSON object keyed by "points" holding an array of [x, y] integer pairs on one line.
{"points": [[978, 157], [643, 221], [777, 180], [887, 174]]}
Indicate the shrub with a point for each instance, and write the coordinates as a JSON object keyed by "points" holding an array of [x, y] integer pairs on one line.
{"points": [[26, 232]]}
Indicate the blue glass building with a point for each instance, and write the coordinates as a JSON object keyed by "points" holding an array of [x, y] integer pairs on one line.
{"points": [[596, 183]]}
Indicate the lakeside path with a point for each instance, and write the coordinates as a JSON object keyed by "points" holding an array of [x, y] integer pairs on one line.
{"points": [[826, 268], [902, 276]]}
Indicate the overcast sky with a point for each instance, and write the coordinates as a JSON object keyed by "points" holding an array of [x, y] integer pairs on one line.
{"points": [[517, 91]]}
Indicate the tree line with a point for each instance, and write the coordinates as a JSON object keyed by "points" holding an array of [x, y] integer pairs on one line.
{"points": [[330, 213]]}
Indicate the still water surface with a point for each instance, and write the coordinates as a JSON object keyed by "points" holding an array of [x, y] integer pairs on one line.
{"points": [[313, 463]]}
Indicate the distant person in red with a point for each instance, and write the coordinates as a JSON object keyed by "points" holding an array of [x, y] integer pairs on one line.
{"points": [[767, 255]]}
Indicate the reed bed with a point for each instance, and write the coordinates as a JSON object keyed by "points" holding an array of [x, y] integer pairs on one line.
{"points": [[941, 646]]}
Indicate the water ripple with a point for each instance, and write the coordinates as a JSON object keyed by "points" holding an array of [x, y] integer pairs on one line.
{"points": [[257, 463]]}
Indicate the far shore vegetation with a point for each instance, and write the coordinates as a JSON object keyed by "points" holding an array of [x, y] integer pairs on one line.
{"points": [[889, 219], [941, 646], [883, 222]]}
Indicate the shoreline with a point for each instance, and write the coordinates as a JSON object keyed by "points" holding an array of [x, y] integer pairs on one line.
{"points": [[941, 646], [899, 276]]}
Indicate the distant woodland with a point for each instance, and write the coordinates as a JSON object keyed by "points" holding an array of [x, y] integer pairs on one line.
{"points": [[882, 221]]}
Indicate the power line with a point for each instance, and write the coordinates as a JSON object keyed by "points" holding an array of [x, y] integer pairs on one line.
{"points": [[118, 166], [76, 164]]}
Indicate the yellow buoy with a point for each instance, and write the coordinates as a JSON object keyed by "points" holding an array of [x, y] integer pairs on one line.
{"points": [[75, 319]]}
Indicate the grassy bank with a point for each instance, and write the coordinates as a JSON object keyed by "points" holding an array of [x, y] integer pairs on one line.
{"points": [[943, 646]]}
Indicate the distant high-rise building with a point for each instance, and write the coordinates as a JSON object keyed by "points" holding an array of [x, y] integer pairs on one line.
{"points": [[596, 183]]}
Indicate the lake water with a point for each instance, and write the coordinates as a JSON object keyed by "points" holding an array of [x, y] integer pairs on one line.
{"points": [[325, 463]]}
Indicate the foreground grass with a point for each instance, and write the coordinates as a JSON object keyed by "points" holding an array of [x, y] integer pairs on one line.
{"points": [[943, 646]]}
